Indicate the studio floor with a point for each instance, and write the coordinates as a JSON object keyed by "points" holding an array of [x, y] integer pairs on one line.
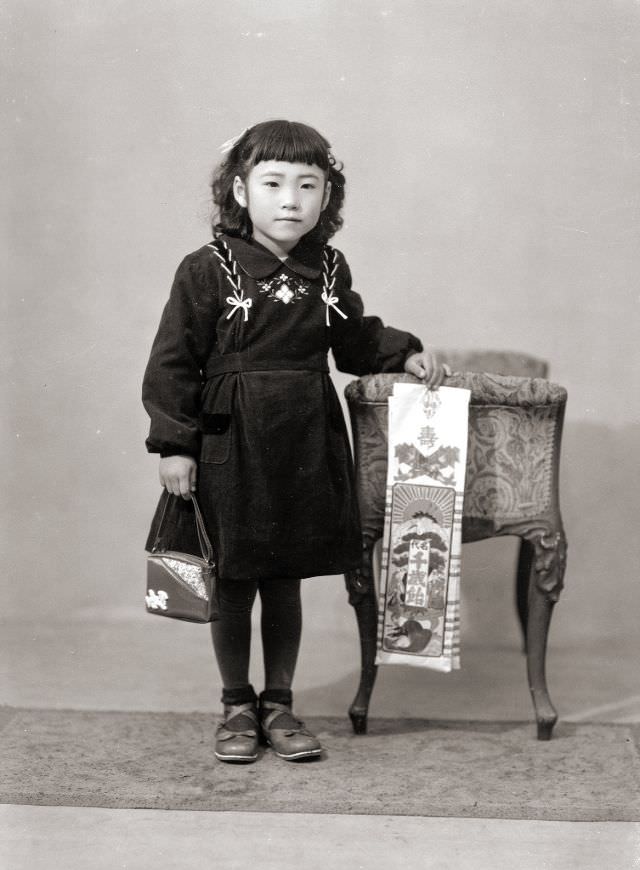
{"points": [[120, 659]]}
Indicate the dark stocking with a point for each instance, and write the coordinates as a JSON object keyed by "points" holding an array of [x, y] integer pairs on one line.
{"points": [[231, 635], [281, 627]]}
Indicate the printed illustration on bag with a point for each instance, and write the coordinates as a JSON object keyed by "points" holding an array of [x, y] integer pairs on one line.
{"points": [[284, 289], [156, 600], [419, 555]]}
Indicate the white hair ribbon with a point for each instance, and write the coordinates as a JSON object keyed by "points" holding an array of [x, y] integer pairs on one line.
{"points": [[227, 146]]}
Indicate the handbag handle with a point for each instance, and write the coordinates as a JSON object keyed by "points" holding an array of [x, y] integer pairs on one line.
{"points": [[206, 550]]}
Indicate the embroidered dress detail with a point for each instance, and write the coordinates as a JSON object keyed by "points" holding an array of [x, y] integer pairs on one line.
{"points": [[329, 276], [230, 268], [238, 302], [284, 289]]}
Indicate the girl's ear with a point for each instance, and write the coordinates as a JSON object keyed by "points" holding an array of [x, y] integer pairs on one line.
{"points": [[240, 191], [327, 195]]}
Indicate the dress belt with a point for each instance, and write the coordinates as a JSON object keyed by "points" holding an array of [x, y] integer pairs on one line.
{"points": [[239, 362]]}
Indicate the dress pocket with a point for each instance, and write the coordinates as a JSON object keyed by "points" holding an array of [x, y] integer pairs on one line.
{"points": [[216, 438]]}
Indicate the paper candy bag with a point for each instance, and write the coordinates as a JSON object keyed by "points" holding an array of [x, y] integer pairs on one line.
{"points": [[419, 597]]}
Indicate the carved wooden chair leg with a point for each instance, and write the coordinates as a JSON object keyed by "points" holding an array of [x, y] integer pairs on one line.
{"points": [[539, 618], [546, 583], [367, 616], [523, 575], [363, 598]]}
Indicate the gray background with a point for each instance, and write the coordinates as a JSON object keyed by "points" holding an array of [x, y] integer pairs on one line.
{"points": [[492, 155]]}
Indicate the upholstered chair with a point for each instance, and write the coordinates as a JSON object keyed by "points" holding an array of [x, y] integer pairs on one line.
{"points": [[511, 488]]}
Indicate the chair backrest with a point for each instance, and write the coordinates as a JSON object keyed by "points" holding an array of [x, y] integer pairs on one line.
{"points": [[498, 362]]}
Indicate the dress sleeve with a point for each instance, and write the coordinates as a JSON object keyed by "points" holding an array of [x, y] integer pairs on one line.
{"points": [[364, 345], [173, 379]]}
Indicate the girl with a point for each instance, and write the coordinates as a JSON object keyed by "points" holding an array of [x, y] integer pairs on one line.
{"points": [[242, 408]]}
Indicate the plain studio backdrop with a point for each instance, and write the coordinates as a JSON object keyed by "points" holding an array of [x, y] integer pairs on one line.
{"points": [[492, 156]]}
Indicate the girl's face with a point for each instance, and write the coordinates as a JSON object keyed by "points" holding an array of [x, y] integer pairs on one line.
{"points": [[284, 201]]}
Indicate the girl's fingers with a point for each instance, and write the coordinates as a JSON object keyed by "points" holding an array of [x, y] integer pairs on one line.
{"points": [[184, 486], [444, 372], [439, 372], [177, 486], [178, 476], [412, 368], [437, 379], [426, 367], [430, 364], [431, 370], [420, 365]]}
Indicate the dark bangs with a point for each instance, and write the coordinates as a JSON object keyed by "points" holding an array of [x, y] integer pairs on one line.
{"points": [[288, 141]]}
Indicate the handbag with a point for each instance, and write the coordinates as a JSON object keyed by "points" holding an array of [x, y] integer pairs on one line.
{"points": [[180, 585]]}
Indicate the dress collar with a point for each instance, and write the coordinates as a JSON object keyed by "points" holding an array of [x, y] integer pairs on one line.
{"points": [[259, 262]]}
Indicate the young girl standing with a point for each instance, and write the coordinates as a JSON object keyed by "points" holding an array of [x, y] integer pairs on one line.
{"points": [[243, 410]]}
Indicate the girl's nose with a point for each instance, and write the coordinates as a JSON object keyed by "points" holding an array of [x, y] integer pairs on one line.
{"points": [[290, 200]]}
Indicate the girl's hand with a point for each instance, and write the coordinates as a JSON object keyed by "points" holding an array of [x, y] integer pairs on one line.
{"points": [[424, 365], [178, 475]]}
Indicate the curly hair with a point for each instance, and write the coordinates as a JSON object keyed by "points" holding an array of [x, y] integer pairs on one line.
{"points": [[288, 141]]}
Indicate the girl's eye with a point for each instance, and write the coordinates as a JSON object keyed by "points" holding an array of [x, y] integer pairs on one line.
{"points": [[271, 183], [309, 186]]}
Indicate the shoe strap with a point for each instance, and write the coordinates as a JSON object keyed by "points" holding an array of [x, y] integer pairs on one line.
{"points": [[276, 710], [274, 705], [234, 710]]}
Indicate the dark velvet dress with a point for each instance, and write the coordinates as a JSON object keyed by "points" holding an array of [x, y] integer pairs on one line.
{"points": [[238, 379]]}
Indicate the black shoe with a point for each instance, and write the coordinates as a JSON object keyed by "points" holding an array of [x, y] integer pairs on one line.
{"points": [[289, 738], [238, 746]]}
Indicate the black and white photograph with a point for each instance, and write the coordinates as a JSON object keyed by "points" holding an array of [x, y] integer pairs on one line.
{"points": [[321, 437]]}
